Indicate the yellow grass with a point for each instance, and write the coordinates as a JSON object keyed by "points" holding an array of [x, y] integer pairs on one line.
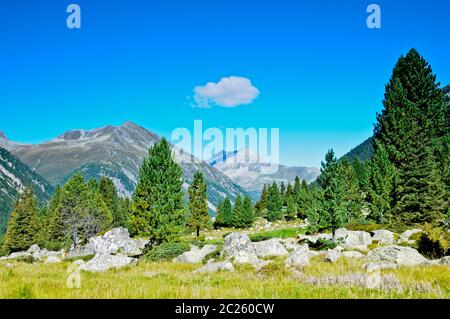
{"points": [[177, 281]]}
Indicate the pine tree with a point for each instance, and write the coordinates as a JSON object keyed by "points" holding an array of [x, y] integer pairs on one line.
{"points": [[108, 193], [274, 204], [261, 205], [237, 212], [412, 128], [297, 186], [303, 200], [381, 181], [23, 225], [198, 204], [248, 216], [55, 237], [291, 211], [157, 210]]}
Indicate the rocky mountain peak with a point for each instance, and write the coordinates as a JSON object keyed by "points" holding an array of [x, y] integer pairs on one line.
{"points": [[3, 136]]}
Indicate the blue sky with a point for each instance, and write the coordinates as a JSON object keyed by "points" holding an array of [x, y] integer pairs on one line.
{"points": [[319, 70]]}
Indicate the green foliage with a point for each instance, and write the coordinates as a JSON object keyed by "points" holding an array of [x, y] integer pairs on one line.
{"points": [[167, 251], [261, 205], [23, 226], [224, 217], [116, 205], [198, 204], [367, 227], [274, 203], [291, 208], [434, 243], [381, 182], [243, 215], [322, 244], [303, 197], [157, 210], [412, 128]]}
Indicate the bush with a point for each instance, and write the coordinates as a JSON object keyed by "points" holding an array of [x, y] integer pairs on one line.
{"points": [[322, 244], [167, 251], [214, 255], [434, 243], [278, 233]]}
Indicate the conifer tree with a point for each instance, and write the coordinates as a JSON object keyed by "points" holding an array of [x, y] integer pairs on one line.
{"points": [[248, 216], [55, 236], [261, 205], [381, 181], [157, 210], [412, 128], [23, 225], [108, 193], [238, 212], [303, 199], [274, 204], [291, 210], [198, 204], [297, 186]]}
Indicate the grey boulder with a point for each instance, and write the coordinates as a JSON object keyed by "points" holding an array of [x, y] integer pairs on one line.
{"points": [[239, 249], [195, 255], [299, 258], [399, 255], [350, 239], [211, 267], [406, 235], [384, 237], [104, 262], [270, 248], [333, 255]]}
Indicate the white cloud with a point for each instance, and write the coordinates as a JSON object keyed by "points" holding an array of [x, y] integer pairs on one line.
{"points": [[228, 92]]}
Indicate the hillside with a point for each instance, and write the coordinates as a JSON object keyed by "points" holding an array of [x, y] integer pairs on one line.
{"points": [[14, 176], [113, 151]]}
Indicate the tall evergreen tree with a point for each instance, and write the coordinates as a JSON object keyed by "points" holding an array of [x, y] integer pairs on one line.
{"points": [[157, 210], [412, 128], [291, 210], [198, 204], [23, 225], [237, 212], [274, 204], [297, 186], [118, 209], [381, 182], [261, 205], [248, 216], [303, 199], [224, 217]]}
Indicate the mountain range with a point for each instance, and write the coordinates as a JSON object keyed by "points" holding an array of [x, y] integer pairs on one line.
{"points": [[113, 151], [252, 172]]}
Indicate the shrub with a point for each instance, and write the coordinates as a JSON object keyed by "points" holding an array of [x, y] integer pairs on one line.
{"points": [[214, 255], [433, 242], [323, 244], [167, 251]]}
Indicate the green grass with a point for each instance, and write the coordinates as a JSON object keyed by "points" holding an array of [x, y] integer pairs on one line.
{"points": [[278, 233], [175, 281]]}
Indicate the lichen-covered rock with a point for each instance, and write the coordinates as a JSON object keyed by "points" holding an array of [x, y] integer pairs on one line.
{"points": [[445, 261], [211, 267], [299, 258], [195, 255], [270, 248], [399, 255], [239, 249], [350, 239], [376, 266], [33, 249], [115, 241], [406, 235], [315, 238], [104, 262], [20, 256], [384, 237], [333, 255]]}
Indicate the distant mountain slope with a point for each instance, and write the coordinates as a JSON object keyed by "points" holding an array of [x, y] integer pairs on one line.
{"points": [[14, 177], [363, 151], [249, 171], [113, 151]]}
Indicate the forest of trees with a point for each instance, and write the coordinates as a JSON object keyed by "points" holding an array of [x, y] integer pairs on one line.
{"points": [[403, 181]]}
